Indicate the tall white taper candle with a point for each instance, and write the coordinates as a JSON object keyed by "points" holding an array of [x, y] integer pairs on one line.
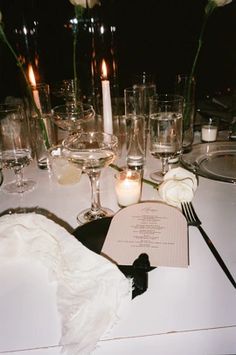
{"points": [[106, 101]]}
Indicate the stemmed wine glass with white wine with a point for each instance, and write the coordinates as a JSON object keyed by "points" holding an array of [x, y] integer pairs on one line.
{"points": [[15, 147], [91, 151], [166, 116]]}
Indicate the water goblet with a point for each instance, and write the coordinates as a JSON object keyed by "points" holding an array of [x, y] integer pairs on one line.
{"points": [[15, 147], [91, 151], [166, 115]]}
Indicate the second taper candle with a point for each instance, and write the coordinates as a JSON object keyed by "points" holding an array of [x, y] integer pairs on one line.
{"points": [[106, 101]]}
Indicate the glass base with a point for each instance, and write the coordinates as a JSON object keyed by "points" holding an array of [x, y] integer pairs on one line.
{"points": [[157, 176], [87, 215], [12, 187]]}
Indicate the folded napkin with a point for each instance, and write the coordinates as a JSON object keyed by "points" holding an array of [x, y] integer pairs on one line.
{"points": [[179, 185], [91, 291]]}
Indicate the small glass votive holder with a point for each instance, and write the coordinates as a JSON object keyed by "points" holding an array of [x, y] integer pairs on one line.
{"points": [[65, 172], [128, 187], [209, 130]]}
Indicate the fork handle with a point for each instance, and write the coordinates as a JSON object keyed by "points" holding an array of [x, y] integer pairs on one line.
{"points": [[217, 256]]}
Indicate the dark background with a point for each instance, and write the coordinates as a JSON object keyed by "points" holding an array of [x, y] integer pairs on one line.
{"points": [[156, 36]]}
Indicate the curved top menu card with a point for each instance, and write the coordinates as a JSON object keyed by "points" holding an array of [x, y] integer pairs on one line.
{"points": [[154, 228]]}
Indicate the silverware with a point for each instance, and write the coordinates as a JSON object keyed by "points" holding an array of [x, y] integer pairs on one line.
{"points": [[1, 177], [193, 220]]}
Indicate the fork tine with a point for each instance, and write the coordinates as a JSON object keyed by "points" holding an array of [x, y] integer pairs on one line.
{"points": [[190, 214], [194, 213], [185, 211]]}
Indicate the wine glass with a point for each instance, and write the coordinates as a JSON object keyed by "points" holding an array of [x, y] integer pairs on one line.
{"points": [[15, 145], [92, 151], [71, 117], [166, 115]]}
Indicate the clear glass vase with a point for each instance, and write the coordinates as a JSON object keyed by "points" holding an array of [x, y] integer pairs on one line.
{"points": [[43, 131], [185, 86]]}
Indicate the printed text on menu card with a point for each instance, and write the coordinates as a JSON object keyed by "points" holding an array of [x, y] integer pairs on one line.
{"points": [[153, 228]]}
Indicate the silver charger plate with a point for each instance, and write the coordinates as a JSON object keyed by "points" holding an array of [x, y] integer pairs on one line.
{"points": [[216, 161]]}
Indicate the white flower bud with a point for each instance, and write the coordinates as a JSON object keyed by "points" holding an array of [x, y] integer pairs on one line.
{"points": [[83, 3], [221, 2]]}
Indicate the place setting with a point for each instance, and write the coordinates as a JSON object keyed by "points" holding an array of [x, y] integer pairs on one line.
{"points": [[117, 176]]}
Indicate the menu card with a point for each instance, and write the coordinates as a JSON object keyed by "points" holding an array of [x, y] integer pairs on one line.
{"points": [[154, 228]]}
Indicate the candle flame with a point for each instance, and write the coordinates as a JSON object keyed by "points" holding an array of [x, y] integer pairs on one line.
{"points": [[104, 69], [129, 174], [31, 75]]}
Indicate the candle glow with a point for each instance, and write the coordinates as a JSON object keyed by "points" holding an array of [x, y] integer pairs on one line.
{"points": [[104, 70], [128, 187], [33, 83]]}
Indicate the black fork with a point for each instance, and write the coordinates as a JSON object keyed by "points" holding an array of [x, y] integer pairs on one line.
{"points": [[193, 220]]}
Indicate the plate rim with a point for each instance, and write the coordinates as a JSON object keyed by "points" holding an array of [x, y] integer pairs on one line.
{"points": [[195, 168]]}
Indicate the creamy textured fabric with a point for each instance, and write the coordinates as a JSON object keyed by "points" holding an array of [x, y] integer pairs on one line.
{"points": [[179, 185], [90, 290]]}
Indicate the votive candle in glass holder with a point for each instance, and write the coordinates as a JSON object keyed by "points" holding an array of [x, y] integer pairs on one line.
{"points": [[209, 130], [128, 185], [64, 171]]}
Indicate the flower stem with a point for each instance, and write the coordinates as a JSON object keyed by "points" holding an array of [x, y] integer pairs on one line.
{"points": [[208, 11], [78, 14], [209, 8]]}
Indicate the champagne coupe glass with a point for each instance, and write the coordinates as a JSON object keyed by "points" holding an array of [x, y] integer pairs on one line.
{"points": [[15, 145], [92, 151], [166, 115], [71, 117]]}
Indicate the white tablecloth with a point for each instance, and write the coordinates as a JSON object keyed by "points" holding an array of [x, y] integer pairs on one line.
{"points": [[184, 311]]}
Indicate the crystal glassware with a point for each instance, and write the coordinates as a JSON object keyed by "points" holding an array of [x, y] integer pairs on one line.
{"points": [[71, 117], [15, 147], [92, 151], [65, 172], [166, 115], [41, 95], [185, 86]]}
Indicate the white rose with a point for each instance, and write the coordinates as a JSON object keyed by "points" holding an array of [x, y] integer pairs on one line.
{"points": [[178, 186], [181, 174], [221, 2], [83, 3]]}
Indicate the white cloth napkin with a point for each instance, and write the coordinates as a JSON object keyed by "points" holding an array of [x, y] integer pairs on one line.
{"points": [[91, 291], [179, 185]]}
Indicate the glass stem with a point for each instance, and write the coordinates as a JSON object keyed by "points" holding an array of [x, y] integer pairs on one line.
{"points": [[94, 178], [164, 165], [19, 177]]}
